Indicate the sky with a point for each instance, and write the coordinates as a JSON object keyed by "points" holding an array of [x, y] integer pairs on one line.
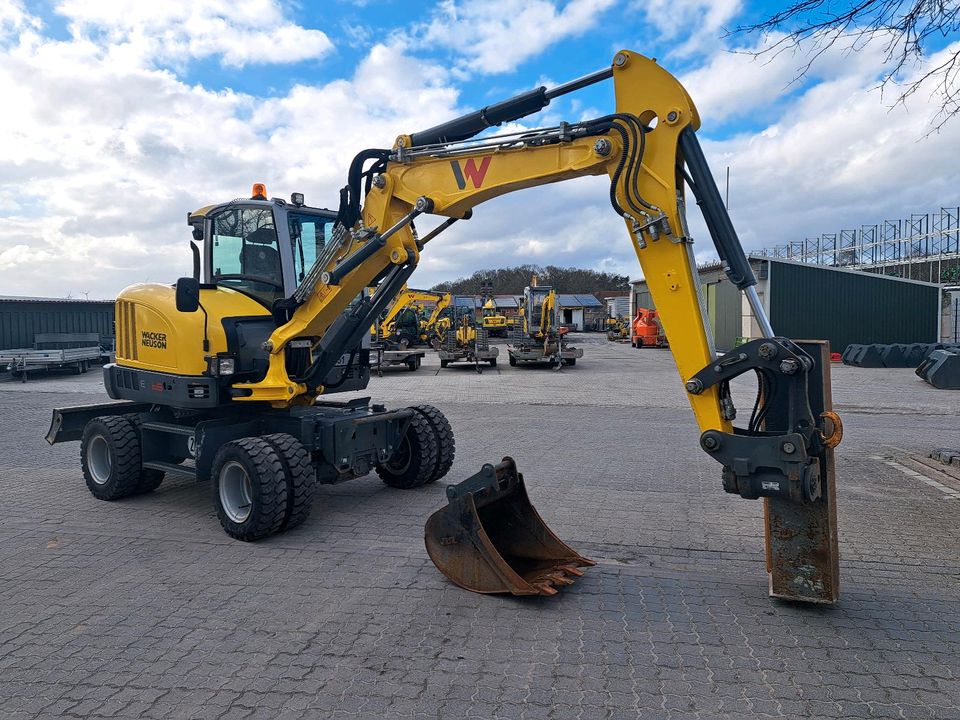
{"points": [[120, 116]]}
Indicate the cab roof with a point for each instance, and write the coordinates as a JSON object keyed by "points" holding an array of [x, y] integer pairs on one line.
{"points": [[198, 215]]}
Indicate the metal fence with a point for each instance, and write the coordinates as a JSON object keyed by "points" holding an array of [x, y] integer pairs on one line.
{"points": [[920, 247]]}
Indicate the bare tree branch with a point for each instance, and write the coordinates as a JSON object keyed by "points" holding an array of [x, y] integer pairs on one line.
{"points": [[905, 29]]}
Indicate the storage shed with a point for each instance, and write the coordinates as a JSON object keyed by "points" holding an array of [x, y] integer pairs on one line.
{"points": [[23, 318], [817, 302], [580, 311]]}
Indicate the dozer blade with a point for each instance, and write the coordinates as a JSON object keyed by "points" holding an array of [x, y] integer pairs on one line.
{"points": [[490, 539]]}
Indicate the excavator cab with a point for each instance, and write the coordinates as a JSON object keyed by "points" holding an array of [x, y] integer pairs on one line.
{"points": [[533, 300]]}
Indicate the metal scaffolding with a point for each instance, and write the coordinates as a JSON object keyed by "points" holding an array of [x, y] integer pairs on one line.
{"points": [[921, 247]]}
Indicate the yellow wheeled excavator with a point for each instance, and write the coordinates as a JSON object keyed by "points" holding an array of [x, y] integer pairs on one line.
{"points": [[223, 375], [493, 322]]}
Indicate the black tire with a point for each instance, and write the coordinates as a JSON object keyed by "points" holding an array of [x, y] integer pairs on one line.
{"points": [[300, 475], [415, 461], [110, 457], [254, 486], [571, 361], [493, 362], [411, 365], [150, 479], [513, 361], [446, 443], [444, 363]]}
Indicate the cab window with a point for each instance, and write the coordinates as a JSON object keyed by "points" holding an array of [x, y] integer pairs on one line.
{"points": [[246, 255], [308, 236]]}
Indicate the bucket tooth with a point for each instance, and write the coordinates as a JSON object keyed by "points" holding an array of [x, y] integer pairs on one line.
{"points": [[490, 539]]}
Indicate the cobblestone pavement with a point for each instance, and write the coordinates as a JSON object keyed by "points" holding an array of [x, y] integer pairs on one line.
{"points": [[144, 608]]}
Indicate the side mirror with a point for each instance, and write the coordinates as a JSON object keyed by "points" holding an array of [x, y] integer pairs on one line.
{"points": [[188, 295]]}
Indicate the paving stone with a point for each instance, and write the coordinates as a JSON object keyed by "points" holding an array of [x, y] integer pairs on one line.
{"points": [[144, 608]]}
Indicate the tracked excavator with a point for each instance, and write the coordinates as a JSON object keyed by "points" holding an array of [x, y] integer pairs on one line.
{"points": [[403, 332], [466, 341], [541, 340], [422, 328], [225, 375]]}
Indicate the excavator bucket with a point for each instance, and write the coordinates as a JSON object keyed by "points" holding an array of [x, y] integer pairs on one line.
{"points": [[490, 539]]}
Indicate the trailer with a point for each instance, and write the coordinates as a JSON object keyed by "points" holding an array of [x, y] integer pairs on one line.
{"points": [[382, 356], [475, 351], [76, 351], [535, 354]]}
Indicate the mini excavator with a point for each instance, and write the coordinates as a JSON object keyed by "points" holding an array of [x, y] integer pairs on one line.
{"points": [[417, 329], [225, 375], [540, 339]]}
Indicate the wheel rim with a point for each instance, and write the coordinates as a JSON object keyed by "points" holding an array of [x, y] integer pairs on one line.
{"points": [[236, 492], [401, 459], [99, 460]]}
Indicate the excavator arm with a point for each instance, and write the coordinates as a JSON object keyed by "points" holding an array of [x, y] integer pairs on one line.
{"points": [[408, 297], [648, 148]]}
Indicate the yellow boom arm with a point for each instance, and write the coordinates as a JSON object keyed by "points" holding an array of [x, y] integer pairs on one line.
{"points": [[451, 183]]}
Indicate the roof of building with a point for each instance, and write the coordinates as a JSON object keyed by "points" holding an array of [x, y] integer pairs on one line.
{"points": [[466, 301], [579, 300], [757, 259], [506, 301]]}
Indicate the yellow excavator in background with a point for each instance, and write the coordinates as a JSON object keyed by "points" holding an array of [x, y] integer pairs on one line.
{"points": [[419, 329], [541, 339], [618, 328], [466, 341], [224, 373], [493, 322]]}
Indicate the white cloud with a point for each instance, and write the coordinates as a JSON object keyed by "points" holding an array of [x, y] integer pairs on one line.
{"points": [[100, 159], [839, 157], [102, 154], [494, 36], [696, 25], [240, 32]]}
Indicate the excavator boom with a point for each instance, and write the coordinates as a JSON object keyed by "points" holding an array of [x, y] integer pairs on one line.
{"points": [[648, 148]]}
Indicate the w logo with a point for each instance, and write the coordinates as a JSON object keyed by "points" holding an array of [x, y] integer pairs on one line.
{"points": [[470, 170]]}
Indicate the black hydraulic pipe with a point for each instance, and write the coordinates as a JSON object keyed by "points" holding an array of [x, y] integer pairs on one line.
{"points": [[579, 83], [441, 227], [466, 126], [347, 331], [715, 214], [377, 242]]}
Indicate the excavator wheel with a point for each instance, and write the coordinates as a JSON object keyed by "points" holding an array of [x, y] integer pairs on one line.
{"points": [[249, 488], [446, 444], [299, 474], [150, 479], [415, 461], [110, 457]]}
